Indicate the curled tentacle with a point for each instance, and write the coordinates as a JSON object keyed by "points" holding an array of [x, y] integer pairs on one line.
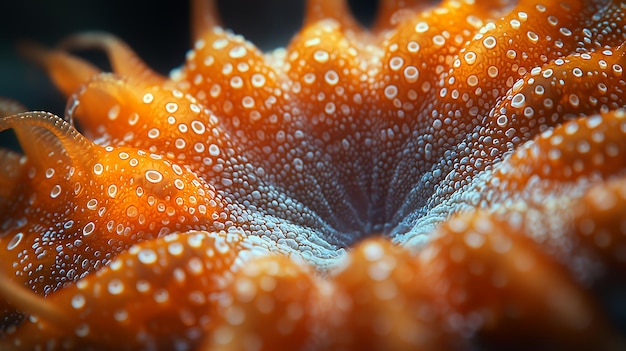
{"points": [[123, 60], [56, 135], [67, 72]]}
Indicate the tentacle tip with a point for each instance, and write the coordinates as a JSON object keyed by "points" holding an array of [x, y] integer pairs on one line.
{"points": [[33, 51], [9, 107], [338, 10], [205, 16], [88, 40]]}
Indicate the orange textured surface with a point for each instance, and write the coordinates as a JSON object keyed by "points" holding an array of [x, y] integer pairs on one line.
{"points": [[452, 178]]}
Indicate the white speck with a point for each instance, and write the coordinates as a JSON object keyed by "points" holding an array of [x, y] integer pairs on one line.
{"points": [[115, 287], [396, 63], [112, 190], [421, 27], [518, 100], [153, 176], [411, 73], [171, 107], [78, 301], [147, 256], [142, 286], [114, 112], [490, 42], [474, 239], [175, 248], [214, 150], [331, 77], [258, 80], [220, 43], [120, 315], [56, 191], [82, 330], [321, 56], [17, 238], [148, 98], [391, 91], [238, 52], [153, 133], [161, 296], [373, 251]]}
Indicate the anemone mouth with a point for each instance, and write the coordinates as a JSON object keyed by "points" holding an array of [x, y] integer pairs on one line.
{"points": [[371, 213]]}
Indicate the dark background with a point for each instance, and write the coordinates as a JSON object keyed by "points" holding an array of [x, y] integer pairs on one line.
{"points": [[157, 30]]}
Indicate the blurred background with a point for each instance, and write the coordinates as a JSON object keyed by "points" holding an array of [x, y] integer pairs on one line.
{"points": [[157, 30]]}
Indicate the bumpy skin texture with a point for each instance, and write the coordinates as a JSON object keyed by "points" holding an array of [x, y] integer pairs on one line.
{"points": [[452, 178]]}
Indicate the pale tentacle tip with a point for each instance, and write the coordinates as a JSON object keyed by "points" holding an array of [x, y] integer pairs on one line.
{"points": [[339, 10], [204, 17]]}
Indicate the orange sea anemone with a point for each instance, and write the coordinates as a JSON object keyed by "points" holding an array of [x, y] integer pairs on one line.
{"points": [[452, 176]]}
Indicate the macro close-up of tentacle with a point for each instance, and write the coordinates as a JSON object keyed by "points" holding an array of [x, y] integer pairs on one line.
{"points": [[450, 176]]}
